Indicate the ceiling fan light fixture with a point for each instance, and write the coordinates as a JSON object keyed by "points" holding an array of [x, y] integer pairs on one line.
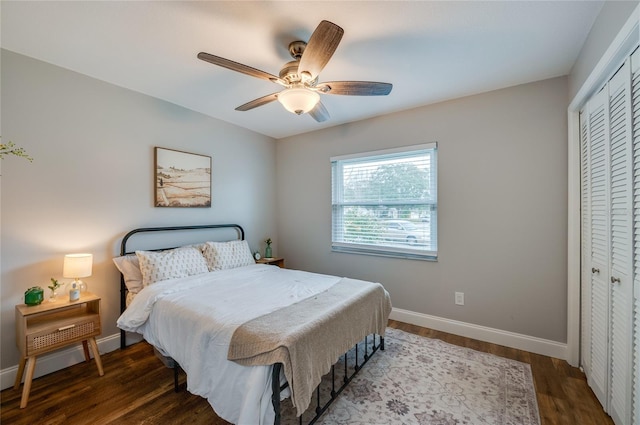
{"points": [[298, 100]]}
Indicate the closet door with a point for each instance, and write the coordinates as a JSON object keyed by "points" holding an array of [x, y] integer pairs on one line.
{"points": [[610, 178], [585, 241], [620, 287], [598, 369], [635, 69]]}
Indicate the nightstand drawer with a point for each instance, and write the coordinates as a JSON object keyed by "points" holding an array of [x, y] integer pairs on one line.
{"points": [[61, 332]]}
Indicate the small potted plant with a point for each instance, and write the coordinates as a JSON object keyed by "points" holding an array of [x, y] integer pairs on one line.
{"points": [[267, 250], [54, 289]]}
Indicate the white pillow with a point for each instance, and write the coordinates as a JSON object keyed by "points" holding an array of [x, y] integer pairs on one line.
{"points": [[198, 246], [170, 264], [227, 255], [129, 266]]}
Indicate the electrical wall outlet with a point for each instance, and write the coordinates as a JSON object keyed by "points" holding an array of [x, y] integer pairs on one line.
{"points": [[459, 298]]}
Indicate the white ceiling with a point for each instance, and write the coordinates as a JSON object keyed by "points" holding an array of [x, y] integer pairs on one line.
{"points": [[431, 51]]}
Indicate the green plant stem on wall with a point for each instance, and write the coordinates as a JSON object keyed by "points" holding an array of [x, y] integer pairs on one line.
{"points": [[10, 148]]}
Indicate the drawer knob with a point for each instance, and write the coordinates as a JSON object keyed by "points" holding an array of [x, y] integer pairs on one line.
{"points": [[594, 270]]}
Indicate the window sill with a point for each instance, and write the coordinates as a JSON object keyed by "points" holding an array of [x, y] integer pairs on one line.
{"points": [[384, 253]]}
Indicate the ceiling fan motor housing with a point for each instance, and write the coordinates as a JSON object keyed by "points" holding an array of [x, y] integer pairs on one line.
{"points": [[289, 72]]}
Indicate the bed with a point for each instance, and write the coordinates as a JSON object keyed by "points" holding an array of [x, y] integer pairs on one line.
{"points": [[247, 335]]}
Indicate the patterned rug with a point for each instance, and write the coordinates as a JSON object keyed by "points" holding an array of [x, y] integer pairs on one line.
{"points": [[425, 381]]}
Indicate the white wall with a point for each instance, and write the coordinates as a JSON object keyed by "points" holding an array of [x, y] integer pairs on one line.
{"points": [[502, 208], [92, 178]]}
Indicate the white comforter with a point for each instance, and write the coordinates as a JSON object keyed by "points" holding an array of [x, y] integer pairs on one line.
{"points": [[192, 320]]}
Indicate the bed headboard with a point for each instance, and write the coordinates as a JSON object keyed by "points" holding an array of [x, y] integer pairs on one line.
{"points": [[148, 231]]}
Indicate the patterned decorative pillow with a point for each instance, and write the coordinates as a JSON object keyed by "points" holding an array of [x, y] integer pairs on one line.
{"points": [[170, 264], [129, 266], [227, 255]]}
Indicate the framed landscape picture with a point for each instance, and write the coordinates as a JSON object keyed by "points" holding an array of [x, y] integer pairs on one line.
{"points": [[182, 179]]}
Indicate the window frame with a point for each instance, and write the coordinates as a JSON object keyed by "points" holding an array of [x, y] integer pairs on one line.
{"points": [[337, 202]]}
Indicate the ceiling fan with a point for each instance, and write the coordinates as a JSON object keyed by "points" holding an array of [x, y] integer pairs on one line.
{"points": [[299, 77]]}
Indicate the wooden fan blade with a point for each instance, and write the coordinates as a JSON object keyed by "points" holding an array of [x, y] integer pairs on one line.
{"points": [[235, 66], [319, 112], [258, 102], [355, 88], [321, 46]]}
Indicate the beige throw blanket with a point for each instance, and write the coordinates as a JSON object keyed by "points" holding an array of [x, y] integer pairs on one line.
{"points": [[309, 336]]}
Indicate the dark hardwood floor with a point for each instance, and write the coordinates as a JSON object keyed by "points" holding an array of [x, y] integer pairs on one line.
{"points": [[138, 389]]}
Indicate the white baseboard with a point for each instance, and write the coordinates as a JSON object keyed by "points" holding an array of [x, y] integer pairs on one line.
{"points": [[496, 336], [57, 360]]}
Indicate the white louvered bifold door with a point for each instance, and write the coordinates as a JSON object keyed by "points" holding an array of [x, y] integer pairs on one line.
{"points": [[610, 220], [621, 245], [599, 249], [635, 70], [585, 242]]}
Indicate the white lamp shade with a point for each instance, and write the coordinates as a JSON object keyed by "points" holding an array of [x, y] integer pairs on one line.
{"points": [[77, 265], [298, 100]]}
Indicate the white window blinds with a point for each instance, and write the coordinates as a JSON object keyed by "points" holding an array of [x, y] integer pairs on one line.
{"points": [[385, 202]]}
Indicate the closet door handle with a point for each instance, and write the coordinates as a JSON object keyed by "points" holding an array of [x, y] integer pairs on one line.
{"points": [[594, 270], [615, 279]]}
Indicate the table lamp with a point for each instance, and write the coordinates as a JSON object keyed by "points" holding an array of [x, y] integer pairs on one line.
{"points": [[77, 266]]}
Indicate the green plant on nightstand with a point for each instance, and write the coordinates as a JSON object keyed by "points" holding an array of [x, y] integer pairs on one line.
{"points": [[267, 250], [54, 289]]}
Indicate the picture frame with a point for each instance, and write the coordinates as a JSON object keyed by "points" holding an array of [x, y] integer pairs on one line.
{"points": [[181, 179]]}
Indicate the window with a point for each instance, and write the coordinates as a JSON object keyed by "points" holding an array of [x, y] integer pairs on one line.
{"points": [[385, 202]]}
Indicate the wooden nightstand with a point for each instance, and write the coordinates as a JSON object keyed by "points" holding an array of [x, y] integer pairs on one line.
{"points": [[52, 325], [276, 261]]}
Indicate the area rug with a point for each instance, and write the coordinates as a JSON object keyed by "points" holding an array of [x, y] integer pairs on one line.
{"points": [[425, 381]]}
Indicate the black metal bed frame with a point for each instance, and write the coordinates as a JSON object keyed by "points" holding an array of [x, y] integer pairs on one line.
{"points": [[334, 393], [277, 368]]}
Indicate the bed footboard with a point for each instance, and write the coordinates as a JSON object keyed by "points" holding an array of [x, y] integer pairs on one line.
{"points": [[320, 408], [348, 373]]}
